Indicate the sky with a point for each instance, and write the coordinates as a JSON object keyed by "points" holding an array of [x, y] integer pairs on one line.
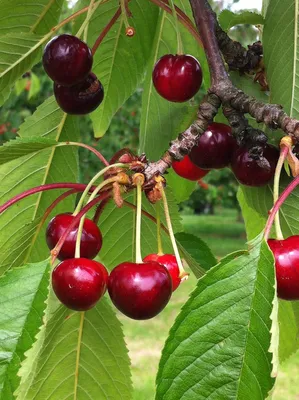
{"points": [[245, 4]]}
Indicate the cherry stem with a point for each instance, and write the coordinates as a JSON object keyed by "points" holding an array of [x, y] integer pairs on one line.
{"points": [[57, 201], [171, 234], [74, 223], [106, 30], [182, 17], [86, 146], [90, 11], [81, 224], [96, 177], [283, 155], [138, 223], [158, 221], [43, 188], [125, 12], [288, 190], [145, 213], [99, 210], [178, 33]]}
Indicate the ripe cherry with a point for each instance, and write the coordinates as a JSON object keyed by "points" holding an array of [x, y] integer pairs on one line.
{"points": [[169, 262], [214, 148], [82, 98], [177, 78], [79, 283], [188, 170], [91, 239], [255, 169], [286, 254], [67, 60], [140, 291]]}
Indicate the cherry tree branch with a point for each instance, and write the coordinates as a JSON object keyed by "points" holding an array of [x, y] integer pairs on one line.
{"points": [[222, 92]]}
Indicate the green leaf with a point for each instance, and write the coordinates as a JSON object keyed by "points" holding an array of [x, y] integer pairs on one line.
{"points": [[22, 302], [288, 328], [26, 15], [18, 53], [34, 86], [196, 253], [83, 354], [227, 19], [23, 146], [181, 188], [120, 61], [218, 346], [161, 120], [280, 45], [119, 245], [21, 235]]}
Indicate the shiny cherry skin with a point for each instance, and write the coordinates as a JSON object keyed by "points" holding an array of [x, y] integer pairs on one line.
{"points": [[82, 98], [177, 78], [188, 170], [140, 291], [91, 239], [214, 148], [79, 283], [286, 254], [169, 262], [67, 60], [255, 172]]}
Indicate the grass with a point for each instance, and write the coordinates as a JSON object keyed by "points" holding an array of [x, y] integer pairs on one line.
{"points": [[145, 339]]}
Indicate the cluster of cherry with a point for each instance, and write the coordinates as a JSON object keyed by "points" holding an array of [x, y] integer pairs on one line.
{"points": [[68, 62], [217, 148], [138, 290]]}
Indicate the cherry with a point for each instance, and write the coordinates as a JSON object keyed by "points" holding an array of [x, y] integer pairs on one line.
{"points": [[82, 98], [177, 78], [91, 239], [140, 291], [255, 169], [169, 262], [214, 148], [186, 169], [67, 60], [79, 283], [286, 254]]}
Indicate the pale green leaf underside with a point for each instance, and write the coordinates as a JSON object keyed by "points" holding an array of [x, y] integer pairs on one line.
{"points": [[281, 53], [23, 146], [196, 253], [21, 236], [22, 303], [28, 15], [102, 364], [218, 346], [18, 53], [228, 19]]}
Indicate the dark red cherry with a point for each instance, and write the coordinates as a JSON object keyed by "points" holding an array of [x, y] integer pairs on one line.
{"points": [[169, 262], [255, 170], [214, 148], [79, 283], [186, 169], [286, 254], [82, 98], [67, 60], [91, 239], [140, 291], [177, 78]]}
